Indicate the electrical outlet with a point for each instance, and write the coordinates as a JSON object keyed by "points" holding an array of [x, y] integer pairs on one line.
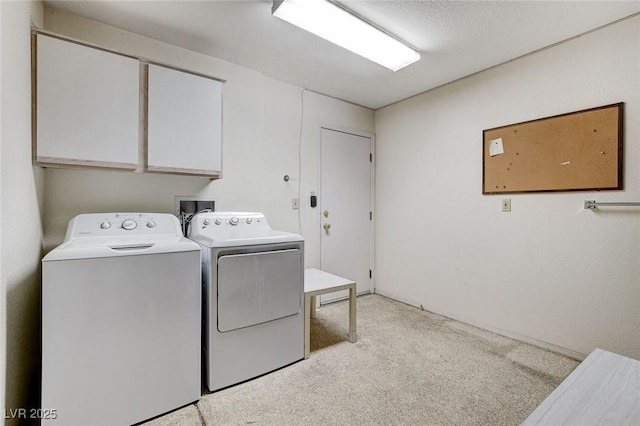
{"points": [[295, 203], [506, 204]]}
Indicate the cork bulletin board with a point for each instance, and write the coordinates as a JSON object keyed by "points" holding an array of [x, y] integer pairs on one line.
{"points": [[577, 151]]}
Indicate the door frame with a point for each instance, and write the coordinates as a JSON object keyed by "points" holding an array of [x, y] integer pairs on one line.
{"points": [[318, 215]]}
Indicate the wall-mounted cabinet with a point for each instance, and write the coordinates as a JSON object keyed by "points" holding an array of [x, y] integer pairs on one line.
{"points": [[184, 119], [99, 109], [86, 106]]}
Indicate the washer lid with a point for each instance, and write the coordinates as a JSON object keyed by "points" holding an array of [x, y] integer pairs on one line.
{"points": [[113, 247], [121, 234]]}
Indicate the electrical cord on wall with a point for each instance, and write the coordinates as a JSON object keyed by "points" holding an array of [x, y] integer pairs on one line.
{"points": [[185, 219], [300, 160]]}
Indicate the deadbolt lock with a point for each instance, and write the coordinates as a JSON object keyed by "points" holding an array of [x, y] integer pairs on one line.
{"points": [[325, 213]]}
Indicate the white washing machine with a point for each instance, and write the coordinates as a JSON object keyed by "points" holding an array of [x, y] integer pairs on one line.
{"points": [[121, 315], [253, 296]]}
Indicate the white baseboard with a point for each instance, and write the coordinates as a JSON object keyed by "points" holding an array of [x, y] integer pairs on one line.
{"points": [[497, 330]]}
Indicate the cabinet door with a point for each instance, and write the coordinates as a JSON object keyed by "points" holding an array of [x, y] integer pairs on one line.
{"points": [[87, 104], [184, 123]]}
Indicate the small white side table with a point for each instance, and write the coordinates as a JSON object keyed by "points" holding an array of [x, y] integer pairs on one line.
{"points": [[317, 282]]}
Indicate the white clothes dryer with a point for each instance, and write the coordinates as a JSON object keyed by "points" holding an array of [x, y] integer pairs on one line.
{"points": [[121, 315], [253, 296]]}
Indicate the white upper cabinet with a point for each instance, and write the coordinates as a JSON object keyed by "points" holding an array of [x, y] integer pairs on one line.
{"points": [[87, 103], [95, 108], [184, 119]]}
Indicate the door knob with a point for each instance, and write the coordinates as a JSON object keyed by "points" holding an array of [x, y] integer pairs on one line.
{"points": [[326, 226]]}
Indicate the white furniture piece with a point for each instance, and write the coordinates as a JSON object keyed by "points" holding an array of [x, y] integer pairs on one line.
{"points": [[86, 106], [317, 282], [121, 318], [184, 122], [253, 296], [603, 390]]}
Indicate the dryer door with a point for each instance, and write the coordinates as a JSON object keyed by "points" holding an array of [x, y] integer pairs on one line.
{"points": [[254, 288]]}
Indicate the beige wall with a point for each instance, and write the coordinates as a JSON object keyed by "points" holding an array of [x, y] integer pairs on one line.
{"points": [[21, 239], [550, 272]]}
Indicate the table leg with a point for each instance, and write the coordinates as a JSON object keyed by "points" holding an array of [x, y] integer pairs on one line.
{"points": [[352, 314], [307, 326], [313, 307]]}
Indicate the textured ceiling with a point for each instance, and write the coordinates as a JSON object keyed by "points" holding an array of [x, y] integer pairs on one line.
{"points": [[455, 38]]}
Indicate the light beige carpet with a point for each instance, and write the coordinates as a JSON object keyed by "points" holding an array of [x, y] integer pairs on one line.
{"points": [[408, 367]]}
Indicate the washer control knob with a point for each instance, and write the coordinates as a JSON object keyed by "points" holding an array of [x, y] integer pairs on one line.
{"points": [[249, 220], [206, 221], [218, 221], [129, 224], [234, 221], [105, 225], [151, 224]]}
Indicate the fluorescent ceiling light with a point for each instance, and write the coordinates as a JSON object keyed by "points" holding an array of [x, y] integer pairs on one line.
{"points": [[335, 24]]}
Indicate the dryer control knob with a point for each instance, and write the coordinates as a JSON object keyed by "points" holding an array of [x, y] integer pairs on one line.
{"points": [[218, 221], [151, 224], [206, 221], [234, 221], [105, 225], [129, 224], [249, 220]]}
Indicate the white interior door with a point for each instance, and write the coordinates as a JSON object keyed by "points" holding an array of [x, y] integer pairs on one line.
{"points": [[346, 237]]}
